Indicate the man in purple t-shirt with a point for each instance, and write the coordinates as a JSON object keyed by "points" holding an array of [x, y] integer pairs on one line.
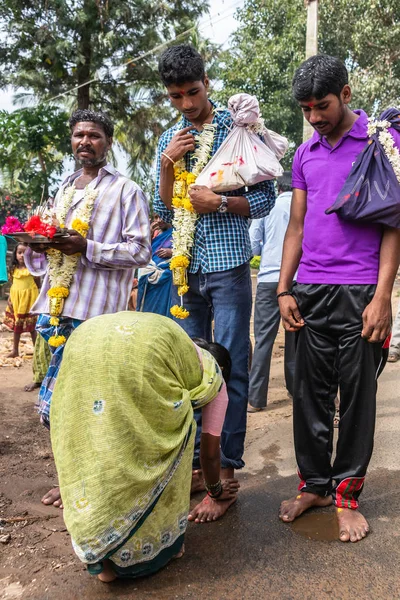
{"points": [[341, 305]]}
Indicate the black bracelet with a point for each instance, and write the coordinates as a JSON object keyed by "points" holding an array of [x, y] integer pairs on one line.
{"points": [[287, 293], [214, 490]]}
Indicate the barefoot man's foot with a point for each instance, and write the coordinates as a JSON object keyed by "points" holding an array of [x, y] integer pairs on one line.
{"points": [[353, 527], [293, 508], [107, 575], [53, 497], [31, 386], [181, 552], [197, 482], [209, 510]]}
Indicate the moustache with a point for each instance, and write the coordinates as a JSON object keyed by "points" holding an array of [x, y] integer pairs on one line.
{"points": [[88, 150]]}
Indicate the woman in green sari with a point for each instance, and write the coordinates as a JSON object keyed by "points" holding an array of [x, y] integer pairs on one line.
{"points": [[122, 432]]}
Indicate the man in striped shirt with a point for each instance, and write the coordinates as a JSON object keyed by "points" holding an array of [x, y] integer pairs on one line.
{"points": [[118, 241]]}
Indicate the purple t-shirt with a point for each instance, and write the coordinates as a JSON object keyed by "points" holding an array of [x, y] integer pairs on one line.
{"points": [[334, 251]]}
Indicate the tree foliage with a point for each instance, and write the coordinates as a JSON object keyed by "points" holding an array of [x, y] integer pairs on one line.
{"points": [[33, 146], [53, 46], [270, 43]]}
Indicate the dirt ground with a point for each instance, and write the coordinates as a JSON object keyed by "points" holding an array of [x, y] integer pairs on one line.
{"points": [[36, 557]]}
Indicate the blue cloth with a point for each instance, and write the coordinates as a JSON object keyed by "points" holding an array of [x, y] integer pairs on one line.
{"points": [[267, 236], [371, 193], [226, 298], [3, 263], [154, 287], [65, 328], [221, 240]]}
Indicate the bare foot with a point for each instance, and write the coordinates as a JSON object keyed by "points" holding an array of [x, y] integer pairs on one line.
{"points": [[12, 355], [209, 510], [53, 497], [181, 552], [32, 386], [353, 527], [197, 482], [108, 574], [293, 508]]}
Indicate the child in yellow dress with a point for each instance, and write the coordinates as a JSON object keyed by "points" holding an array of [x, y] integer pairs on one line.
{"points": [[23, 294]]}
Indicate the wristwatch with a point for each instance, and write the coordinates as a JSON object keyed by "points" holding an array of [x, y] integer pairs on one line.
{"points": [[223, 207]]}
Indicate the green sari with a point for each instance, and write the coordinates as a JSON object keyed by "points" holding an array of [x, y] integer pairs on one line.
{"points": [[122, 432]]}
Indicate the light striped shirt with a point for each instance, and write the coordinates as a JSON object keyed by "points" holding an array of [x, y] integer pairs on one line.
{"points": [[118, 241]]}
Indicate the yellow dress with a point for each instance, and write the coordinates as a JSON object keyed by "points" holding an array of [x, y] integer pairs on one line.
{"points": [[23, 294]]}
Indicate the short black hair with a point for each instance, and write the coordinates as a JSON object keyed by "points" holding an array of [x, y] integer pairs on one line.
{"points": [[285, 181], [181, 64], [99, 117], [319, 76], [220, 353]]}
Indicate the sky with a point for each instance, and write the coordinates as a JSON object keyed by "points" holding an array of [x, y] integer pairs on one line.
{"points": [[217, 26]]}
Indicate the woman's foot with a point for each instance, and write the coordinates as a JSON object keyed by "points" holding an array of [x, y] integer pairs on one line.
{"points": [[353, 526], [107, 575], [181, 552], [53, 497], [253, 409], [31, 386], [12, 354], [209, 510], [197, 482], [293, 508]]}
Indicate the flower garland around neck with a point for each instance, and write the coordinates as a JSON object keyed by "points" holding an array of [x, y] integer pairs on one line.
{"points": [[62, 267], [386, 140], [185, 217]]}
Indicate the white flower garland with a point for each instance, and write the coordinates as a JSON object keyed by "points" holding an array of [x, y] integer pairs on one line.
{"points": [[386, 140]]}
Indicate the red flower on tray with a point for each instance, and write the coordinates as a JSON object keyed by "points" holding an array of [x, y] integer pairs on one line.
{"points": [[35, 226]]}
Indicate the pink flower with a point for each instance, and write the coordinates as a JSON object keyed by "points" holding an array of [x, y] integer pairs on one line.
{"points": [[12, 225]]}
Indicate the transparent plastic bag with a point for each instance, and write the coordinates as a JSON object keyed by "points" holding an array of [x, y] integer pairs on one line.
{"points": [[243, 159]]}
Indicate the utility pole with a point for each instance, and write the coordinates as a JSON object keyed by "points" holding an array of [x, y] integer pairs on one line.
{"points": [[311, 47]]}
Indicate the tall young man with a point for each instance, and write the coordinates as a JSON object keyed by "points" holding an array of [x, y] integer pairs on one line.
{"points": [[219, 274], [117, 242], [341, 305]]}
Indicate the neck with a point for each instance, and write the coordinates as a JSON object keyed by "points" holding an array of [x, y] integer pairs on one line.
{"points": [[91, 172], [344, 126], [205, 116]]}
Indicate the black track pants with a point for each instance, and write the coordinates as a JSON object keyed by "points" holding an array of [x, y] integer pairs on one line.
{"points": [[330, 353]]}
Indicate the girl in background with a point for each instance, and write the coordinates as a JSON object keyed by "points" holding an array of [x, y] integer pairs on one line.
{"points": [[23, 294]]}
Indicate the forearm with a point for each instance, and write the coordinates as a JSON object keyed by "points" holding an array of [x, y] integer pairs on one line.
{"points": [[123, 255], [292, 251], [389, 259], [210, 458], [239, 205], [166, 181]]}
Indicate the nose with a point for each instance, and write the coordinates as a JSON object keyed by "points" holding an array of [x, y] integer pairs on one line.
{"points": [[85, 141], [187, 103], [314, 117]]}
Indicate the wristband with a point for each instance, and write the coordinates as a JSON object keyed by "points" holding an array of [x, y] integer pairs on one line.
{"points": [[287, 293]]}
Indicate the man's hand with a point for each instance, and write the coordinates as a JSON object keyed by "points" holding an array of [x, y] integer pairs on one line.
{"points": [[203, 199], [164, 252], [230, 488], [291, 317], [70, 245], [377, 320], [182, 142]]}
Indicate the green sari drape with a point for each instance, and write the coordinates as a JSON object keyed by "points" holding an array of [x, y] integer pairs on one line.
{"points": [[122, 432]]}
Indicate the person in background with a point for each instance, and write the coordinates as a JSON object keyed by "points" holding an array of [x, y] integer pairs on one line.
{"points": [[23, 294], [266, 236], [394, 348], [155, 280]]}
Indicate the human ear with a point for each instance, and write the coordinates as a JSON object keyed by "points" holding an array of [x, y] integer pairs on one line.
{"points": [[346, 94]]}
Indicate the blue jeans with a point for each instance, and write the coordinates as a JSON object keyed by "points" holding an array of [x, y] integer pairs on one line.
{"points": [[224, 297]]}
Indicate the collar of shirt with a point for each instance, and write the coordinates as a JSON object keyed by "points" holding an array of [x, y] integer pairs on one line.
{"points": [[358, 131], [108, 169]]}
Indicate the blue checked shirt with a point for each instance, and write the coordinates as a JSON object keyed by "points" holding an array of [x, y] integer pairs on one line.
{"points": [[221, 241]]}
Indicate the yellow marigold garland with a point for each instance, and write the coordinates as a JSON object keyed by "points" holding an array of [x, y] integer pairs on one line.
{"points": [[185, 217], [57, 340]]}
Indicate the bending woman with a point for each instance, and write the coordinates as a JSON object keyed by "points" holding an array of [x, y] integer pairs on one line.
{"points": [[122, 432]]}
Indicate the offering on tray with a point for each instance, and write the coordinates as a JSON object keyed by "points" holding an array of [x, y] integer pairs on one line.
{"points": [[36, 230]]}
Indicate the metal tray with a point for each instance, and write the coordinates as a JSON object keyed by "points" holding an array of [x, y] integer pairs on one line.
{"points": [[38, 239]]}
